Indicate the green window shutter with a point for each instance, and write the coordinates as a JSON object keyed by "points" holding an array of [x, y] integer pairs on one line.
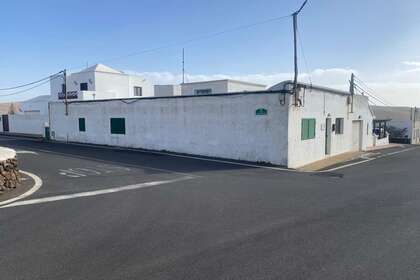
{"points": [[82, 124], [311, 132], [305, 129], [117, 125], [308, 129]]}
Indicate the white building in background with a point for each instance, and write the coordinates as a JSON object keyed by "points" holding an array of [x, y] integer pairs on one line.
{"points": [[94, 83], [35, 106], [403, 123], [208, 87], [254, 126], [100, 82]]}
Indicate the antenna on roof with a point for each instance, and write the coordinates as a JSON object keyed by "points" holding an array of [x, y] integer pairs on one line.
{"points": [[295, 81]]}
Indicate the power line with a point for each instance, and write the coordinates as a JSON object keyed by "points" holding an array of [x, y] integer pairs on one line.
{"points": [[31, 88], [192, 40], [371, 95], [371, 91], [29, 84]]}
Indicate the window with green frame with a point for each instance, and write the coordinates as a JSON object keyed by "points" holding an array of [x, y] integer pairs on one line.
{"points": [[82, 124], [117, 125], [308, 129]]}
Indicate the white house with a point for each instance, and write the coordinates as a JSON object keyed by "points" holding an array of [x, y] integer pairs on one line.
{"points": [[35, 106], [251, 126], [207, 87], [93, 83], [100, 82]]}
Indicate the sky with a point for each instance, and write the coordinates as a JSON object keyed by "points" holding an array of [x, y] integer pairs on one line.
{"points": [[378, 40]]}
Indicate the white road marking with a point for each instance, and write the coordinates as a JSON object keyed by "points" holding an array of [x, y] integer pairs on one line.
{"points": [[99, 160], [88, 171], [98, 170], [347, 165], [71, 173], [96, 193], [369, 159], [210, 160], [26, 152], [37, 185]]}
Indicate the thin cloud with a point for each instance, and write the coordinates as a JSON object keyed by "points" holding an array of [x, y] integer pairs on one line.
{"points": [[412, 63], [333, 76], [401, 88]]}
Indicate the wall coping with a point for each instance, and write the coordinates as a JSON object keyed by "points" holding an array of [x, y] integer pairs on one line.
{"points": [[6, 153]]}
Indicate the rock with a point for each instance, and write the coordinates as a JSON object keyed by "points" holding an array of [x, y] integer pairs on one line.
{"points": [[9, 175]]}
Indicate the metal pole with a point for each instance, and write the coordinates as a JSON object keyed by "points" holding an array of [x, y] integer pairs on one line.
{"points": [[352, 92], [65, 90], [295, 81], [183, 65]]}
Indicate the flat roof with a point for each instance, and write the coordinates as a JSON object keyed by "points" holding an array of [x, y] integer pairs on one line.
{"points": [[226, 80], [135, 99]]}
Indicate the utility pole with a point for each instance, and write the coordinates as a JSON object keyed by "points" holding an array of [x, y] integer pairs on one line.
{"points": [[295, 24], [65, 90], [183, 65], [352, 91]]}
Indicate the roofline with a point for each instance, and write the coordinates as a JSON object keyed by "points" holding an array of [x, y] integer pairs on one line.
{"points": [[135, 99], [121, 73], [227, 80]]}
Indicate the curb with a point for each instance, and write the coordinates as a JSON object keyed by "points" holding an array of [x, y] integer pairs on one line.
{"points": [[37, 186]]}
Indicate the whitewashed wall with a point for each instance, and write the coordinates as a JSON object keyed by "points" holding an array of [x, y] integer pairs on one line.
{"points": [[103, 84], [218, 126], [27, 124], [215, 86], [167, 90], [318, 105], [220, 86], [234, 86]]}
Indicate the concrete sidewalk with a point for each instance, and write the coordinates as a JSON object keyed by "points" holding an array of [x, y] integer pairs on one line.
{"points": [[331, 161], [344, 158]]}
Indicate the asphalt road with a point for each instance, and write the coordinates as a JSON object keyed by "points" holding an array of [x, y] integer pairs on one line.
{"points": [[209, 220]]}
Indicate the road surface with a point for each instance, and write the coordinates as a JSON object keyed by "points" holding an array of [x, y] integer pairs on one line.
{"points": [[115, 214]]}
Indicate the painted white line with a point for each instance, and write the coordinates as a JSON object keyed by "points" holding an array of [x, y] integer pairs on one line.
{"points": [[27, 152], [96, 193], [347, 165], [399, 152], [366, 159], [107, 162], [37, 185]]}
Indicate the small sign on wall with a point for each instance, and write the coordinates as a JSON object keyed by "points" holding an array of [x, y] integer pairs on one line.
{"points": [[261, 112]]}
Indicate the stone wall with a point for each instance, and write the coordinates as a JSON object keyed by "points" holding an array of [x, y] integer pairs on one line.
{"points": [[9, 171]]}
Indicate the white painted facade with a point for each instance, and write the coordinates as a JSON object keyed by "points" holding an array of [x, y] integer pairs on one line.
{"points": [[27, 124], [256, 127], [219, 86], [167, 90], [100, 82], [35, 106], [224, 126], [323, 104]]}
